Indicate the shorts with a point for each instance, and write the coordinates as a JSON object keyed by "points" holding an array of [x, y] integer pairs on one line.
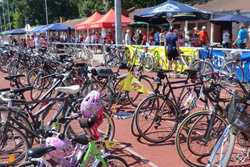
{"points": [[172, 55]]}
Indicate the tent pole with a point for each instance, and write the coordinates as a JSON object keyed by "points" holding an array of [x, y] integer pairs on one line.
{"points": [[147, 31]]}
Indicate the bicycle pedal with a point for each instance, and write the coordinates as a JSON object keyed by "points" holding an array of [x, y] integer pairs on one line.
{"points": [[239, 158]]}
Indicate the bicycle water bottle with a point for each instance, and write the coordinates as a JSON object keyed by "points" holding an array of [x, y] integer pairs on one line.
{"points": [[189, 101]]}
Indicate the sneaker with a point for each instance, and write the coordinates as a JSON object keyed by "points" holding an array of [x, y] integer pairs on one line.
{"points": [[168, 75]]}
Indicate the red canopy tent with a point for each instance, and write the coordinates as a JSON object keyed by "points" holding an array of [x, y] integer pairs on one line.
{"points": [[108, 21], [85, 24]]}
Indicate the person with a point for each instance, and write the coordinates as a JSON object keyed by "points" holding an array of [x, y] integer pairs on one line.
{"points": [[151, 38], [180, 36], [32, 42], [109, 36], [12, 41], [203, 36], [157, 37], [38, 41], [242, 38], [195, 38], [28, 41], [172, 49], [162, 37], [187, 39], [127, 38], [138, 37], [225, 39], [113, 37], [43, 42]]}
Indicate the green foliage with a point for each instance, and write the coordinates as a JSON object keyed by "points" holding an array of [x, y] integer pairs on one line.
{"points": [[33, 11]]}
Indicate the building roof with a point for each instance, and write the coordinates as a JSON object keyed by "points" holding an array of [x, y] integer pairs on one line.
{"points": [[132, 13], [74, 22], [221, 5]]}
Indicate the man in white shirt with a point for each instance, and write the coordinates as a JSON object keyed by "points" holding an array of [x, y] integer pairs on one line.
{"points": [[38, 41], [225, 39], [127, 38]]}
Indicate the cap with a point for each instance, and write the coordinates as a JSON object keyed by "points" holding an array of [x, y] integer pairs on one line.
{"points": [[195, 28], [171, 29], [203, 27], [175, 30], [128, 30]]}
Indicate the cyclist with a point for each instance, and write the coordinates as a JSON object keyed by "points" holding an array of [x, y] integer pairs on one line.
{"points": [[172, 49]]}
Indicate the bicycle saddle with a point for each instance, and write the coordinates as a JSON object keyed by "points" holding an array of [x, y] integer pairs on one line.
{"points": [[191, 71], [38, 152], [69, 89], [82, 139]]}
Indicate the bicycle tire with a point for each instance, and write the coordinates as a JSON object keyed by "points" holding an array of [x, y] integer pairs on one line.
{"points": [[182, 133], [234, 70], [113, 160], [21, 118], [13, 146], [148, 63], [38, 86], [4, 63], [136, 97], [123, 99], [133, 128], [106, 92], [107, 128], [83, 55], [222, 151], [32, 75], [108, 57], [205, 68], [23, 80], [165, 124], [248, 78]]}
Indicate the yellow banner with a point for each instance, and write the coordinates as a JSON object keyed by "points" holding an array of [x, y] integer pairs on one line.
{"points": [[132, 84]]}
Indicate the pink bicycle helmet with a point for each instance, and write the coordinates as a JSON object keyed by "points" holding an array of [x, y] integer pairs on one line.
{"points": [[63, 147], [92, 105]]}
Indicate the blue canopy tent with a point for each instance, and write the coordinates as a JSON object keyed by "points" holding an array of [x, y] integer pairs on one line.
{"points": [[56, 27], [170, 11], [37, 29], [231, 18], [15, 32]]}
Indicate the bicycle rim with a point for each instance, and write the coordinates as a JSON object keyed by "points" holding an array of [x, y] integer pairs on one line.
{"points": [[156, 119]]}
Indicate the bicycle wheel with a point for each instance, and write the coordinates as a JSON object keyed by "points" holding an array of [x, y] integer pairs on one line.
{"points": [[205, 69], [148, 63], [111, 60], [20, 117], [113, 161], [23, 80], [106, 129], [223, 149], [233, 69], [83, 55], [156, 118], [105, 91], [32, 75], [136, 97], [38, 86], [191, 147], [15, 147], [158, 61], [248, 78], [123, 99], [4, 63]]}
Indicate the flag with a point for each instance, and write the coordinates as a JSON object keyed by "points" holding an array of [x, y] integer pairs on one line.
{"points": [[110, 144], [132, 84]]}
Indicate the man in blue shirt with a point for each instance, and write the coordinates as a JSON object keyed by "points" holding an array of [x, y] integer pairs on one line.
{"points": [[157, 37], [172, 49], [242, 39]]}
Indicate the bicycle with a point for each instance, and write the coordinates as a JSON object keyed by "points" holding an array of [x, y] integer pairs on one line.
{"points": [[223, 69], [142, 58], [84, 153], [238, 117], [198, 132], [85, 53], [158, 115]]}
